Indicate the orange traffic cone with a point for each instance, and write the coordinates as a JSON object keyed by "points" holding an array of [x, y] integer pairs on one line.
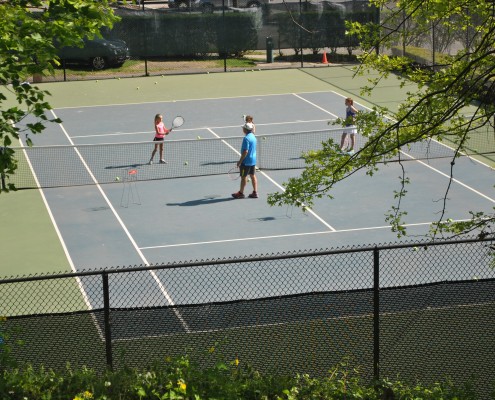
{"points": [[324, 61]]}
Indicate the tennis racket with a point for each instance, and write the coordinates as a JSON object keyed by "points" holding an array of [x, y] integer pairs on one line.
{"points": [[177, 122], [234, 173]]}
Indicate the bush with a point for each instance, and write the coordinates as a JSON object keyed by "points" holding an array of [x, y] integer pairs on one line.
{"points": [[180, 379]]}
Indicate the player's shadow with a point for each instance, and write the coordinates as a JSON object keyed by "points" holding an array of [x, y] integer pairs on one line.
{"points": [[125, 166], [201, 202], [219, 162]]}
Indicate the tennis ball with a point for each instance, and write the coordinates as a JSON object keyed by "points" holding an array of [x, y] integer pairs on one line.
{"points": [[118, 78], [264, 137], [186, 163], [117, 179], [156, 83], [97, 81], [450, 220], [415, 248], [137, 88], [208, 72], [198, 137]]}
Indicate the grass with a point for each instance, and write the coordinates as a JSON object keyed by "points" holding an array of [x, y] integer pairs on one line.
{"points": [[420, 55], [137, 67]]}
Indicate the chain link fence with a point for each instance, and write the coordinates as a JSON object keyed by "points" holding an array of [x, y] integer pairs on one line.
{"points": [[422, 311], [199, 36]]}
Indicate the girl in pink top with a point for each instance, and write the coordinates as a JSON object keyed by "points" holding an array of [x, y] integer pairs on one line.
{"points": [[160, 132]]}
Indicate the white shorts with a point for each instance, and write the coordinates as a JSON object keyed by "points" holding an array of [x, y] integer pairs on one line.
{"points": [[351, 129]]}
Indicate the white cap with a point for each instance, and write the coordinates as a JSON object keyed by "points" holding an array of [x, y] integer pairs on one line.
{"points": [[248, 126]]}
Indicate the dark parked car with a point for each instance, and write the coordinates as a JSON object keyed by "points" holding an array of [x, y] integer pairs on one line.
{"points": [[98, 53]]}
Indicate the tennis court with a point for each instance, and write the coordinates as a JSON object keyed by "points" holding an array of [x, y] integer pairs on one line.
{"points": [[301, 311], [160, 218]]}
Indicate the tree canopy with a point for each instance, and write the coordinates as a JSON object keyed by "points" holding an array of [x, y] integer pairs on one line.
{"points": [[448, 86], [29, 32]]}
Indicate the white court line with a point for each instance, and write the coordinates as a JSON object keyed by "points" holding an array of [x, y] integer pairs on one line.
{"points": [[422, 162], [277, 185], [315, 105], [453, 179], [129, 236], [60, 237], [371, 228], [186, 100], [437, 142]]}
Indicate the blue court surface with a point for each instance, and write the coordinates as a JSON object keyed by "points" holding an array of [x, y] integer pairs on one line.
{"points": [[147, 222]]}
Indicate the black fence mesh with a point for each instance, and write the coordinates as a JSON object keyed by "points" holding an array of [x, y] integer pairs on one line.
{"points": [[89, 164], [175, 37], [415, 311]]}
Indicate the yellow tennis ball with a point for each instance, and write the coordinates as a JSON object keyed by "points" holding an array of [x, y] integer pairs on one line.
{"points": [[199, 137], [117, 179], [137, 88], [186, 163]]}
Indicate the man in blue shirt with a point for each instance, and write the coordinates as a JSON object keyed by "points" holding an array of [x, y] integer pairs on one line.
{"points": [[247, 162]]}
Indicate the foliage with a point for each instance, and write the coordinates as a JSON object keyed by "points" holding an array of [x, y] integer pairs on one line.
{"points": [[181, 379], [435, 112], [28, 48]]}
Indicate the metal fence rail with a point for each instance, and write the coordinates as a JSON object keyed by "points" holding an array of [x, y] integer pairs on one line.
{"points": [[421, 311]]}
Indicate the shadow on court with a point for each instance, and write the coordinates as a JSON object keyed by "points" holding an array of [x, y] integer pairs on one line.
{"points": [[201, 202]]}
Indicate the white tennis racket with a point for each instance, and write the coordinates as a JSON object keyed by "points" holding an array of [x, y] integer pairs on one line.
{"points": [[177, 122], [234, 173]]}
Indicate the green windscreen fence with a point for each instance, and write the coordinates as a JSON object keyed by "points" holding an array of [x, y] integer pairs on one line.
{"points": [[430, 316], [234, 30]]}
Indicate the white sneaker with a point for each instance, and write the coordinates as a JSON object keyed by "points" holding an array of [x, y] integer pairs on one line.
{"points": [[150, 162], [163, 162]]}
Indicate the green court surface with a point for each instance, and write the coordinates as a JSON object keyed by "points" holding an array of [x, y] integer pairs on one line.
{"points": [[29, 244]]}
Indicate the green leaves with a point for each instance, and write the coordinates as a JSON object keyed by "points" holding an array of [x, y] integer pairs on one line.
{"points": [[177, 380], [451, 103], [26, 48]]}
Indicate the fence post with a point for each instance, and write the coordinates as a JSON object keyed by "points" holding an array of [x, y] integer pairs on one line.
{"points": [[2, 184], [376, 313], [106, 318]]}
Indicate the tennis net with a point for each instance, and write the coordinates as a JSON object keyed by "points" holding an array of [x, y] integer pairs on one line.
{"points": [[88, 164]]}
